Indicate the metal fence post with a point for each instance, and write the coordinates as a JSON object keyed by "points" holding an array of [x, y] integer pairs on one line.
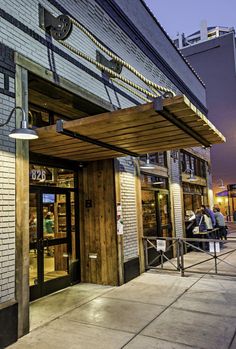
{"points": [[146, 254], [178, 254], [182, 256], [161, 252], [215, 256]]}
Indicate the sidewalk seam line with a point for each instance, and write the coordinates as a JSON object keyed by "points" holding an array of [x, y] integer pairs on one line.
{"points": [[185, 291]]}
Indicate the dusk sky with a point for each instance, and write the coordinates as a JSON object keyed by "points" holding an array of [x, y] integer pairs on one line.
{"points": [[185, 16]]}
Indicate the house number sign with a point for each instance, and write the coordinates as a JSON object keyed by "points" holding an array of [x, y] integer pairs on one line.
{"points": [[38, 175]]}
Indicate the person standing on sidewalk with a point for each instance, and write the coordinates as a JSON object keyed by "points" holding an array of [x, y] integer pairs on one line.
{"points": [[220, 223], [210, 214]]}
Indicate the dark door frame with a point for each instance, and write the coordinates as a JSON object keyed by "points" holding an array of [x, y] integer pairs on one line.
{"points": [[158, 191], [75, 270], [43, 288]]}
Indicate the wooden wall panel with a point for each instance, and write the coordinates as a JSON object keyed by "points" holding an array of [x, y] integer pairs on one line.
{"points": [[98, 224]]}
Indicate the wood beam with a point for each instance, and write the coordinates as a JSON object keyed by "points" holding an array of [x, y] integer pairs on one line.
{"points": [[22, 209]]}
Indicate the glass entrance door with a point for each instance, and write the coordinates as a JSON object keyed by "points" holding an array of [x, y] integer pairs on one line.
{"points": [[51, 223], [156, 215]]}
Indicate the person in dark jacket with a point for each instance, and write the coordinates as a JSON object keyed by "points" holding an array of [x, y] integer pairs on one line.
{"points": [[201, 224], [209, 213], [220, 223], [200, 221]]}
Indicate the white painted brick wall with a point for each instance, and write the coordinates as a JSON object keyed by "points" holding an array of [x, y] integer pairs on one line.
{"points": [[128, 201], [97, 20], [7, 203], [176, 198], [99, 23]]}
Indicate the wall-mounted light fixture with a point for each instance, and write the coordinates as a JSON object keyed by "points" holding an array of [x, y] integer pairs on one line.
{"points": [[220, 183], [191, 177], [148, 165], [24, 132]]}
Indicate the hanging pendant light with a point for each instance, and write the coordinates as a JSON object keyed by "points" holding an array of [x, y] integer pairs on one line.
{"points": [[24, 132], [221, 184]]}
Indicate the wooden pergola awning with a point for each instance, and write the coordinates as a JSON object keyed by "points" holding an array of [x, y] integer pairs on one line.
{"points": [[163, 124]]}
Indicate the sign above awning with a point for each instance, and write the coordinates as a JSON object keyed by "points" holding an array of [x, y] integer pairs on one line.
{"points": [[163, 124]]}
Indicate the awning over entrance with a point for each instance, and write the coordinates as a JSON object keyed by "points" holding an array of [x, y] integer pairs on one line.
{"points": [[163, 124], [222, 193]]}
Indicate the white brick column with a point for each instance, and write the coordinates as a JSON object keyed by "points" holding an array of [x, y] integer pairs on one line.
{"points": [[7, 196], [176, 196], [128, 201]]}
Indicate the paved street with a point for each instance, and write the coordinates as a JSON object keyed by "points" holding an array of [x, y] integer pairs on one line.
{"points": [[156, 310]]}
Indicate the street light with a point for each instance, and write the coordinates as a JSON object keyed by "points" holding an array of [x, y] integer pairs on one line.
{"points": [[221, 183], [24, 132]]}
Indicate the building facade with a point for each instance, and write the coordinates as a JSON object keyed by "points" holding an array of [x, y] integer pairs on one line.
{"points": [[76, 203], [213, 56]]}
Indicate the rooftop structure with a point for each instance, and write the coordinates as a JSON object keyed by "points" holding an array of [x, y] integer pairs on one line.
{"points": [[205, 33]]}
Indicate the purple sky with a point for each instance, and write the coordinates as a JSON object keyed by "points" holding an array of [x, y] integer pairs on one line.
{"points": [[185, 16]]}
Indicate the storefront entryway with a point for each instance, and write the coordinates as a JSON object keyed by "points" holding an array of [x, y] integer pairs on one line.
{"points": [[155, 206], [53, 240], [156, 212]]}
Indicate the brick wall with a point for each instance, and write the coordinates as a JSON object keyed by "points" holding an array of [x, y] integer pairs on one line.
{"points": [[176, 198], [128, 201], [20, 30], [7, 178]]}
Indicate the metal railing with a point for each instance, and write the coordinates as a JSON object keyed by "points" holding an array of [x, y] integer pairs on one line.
{"points": [[159, 254]]}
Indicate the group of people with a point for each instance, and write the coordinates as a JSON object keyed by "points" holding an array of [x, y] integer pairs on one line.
{"points": [[207, 220]]}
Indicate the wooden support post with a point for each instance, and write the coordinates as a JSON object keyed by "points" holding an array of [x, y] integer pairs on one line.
{"points": [[22, 209]]}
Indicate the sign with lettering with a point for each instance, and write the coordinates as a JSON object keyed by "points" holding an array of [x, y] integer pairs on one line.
{"points": [[214, 247], [38, 175], [161, 245], [120, 223]]}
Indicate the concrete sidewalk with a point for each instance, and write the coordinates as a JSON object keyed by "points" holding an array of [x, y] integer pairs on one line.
{"points": [[155, 310]]}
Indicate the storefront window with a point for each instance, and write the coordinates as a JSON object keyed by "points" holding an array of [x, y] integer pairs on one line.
{"points": [[155, 206], [149, 206], [33, 267], [154, 182], [189, 161], [156, 158], [156, 215], [164, 213], [193, 197]]}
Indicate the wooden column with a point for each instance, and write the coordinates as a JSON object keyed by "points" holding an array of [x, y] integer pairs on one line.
{"points": [[98, 236], [22, 209]]}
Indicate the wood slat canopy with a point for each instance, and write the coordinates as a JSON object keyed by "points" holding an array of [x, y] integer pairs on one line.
{"points": [[172, 123]]}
